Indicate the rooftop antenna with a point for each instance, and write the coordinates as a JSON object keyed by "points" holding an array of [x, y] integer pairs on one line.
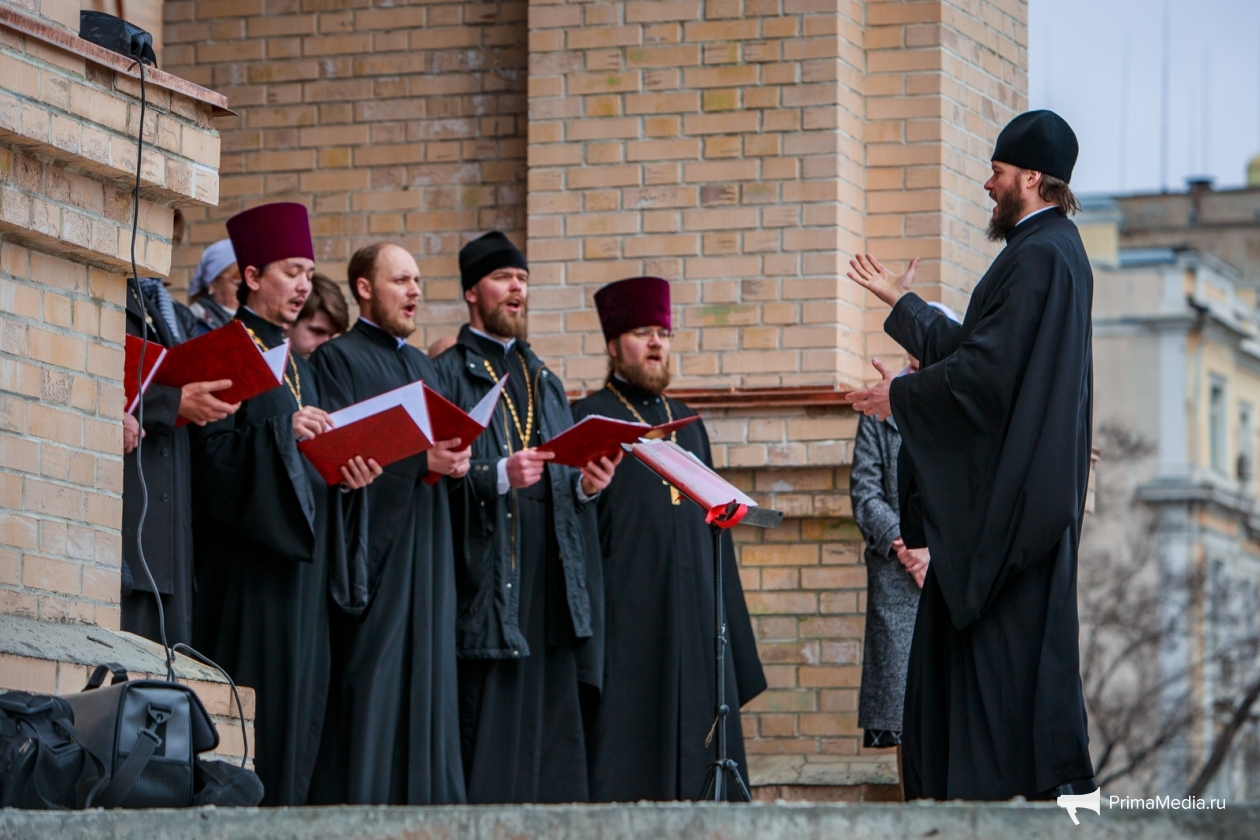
{"points": [[1163, 111]]}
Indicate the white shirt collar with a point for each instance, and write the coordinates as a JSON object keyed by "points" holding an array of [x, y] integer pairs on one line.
{"points": [[1034, 213], [507, 343], [401, 341]]}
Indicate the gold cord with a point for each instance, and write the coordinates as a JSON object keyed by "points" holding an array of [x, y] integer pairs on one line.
{"points": [[295, 384], [528, 430], [674, 496]]}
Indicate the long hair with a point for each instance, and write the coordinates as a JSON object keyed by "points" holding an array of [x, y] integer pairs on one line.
{"points": [[1057, 191], [327, 297]]}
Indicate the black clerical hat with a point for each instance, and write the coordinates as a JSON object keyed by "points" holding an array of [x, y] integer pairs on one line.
{"points": [[1041, 141], [486, 254]]}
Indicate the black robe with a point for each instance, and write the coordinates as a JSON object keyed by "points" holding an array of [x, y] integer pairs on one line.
{"points": [[647, 738], [277, 549], [392, 735], [996, 426], [168, 538]]}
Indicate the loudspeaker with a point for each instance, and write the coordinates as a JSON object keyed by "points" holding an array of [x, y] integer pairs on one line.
{"points": [[116, 35]]}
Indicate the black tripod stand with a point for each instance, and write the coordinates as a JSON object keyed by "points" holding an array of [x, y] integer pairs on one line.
{"points": [[724, 782]]}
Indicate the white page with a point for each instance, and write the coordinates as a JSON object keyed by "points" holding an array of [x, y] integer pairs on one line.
{"points": [[276, 358], [484, 410], [410, 397], [592, 418]]}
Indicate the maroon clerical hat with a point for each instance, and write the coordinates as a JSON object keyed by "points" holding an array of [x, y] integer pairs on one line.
{"points": [[270, 232], [629, 304]]}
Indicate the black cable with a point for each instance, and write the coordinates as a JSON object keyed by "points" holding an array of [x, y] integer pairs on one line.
{"points": [[144, 336], [183, 648]]}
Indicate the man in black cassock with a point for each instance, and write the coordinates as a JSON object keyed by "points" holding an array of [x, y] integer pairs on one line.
{"points": [[647, 738], [528, 571], [392, 731], [277, 549], [995, 431], [164, 458]]}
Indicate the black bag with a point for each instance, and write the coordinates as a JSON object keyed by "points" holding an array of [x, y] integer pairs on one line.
{"points": [[226, 785], [42, 759], [147, 733]]}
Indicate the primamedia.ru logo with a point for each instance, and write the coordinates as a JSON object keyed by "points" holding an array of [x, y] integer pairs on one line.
{"points": [[1094, 801]]}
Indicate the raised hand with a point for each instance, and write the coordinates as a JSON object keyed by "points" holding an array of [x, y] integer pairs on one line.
{"points": [[873, 401], [870, 274], [597, 475]]}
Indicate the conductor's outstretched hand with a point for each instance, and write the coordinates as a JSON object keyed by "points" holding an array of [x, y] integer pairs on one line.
{"points": [[873, 401], [870, 273]]}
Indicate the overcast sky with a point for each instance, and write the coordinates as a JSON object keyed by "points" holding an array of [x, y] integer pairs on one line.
{"points": [[1077, 67]]}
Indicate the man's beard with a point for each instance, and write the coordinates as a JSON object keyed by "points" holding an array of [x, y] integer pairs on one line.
{"points": [[501, 323], [393, 322], [1010, 209], [654, 379]]}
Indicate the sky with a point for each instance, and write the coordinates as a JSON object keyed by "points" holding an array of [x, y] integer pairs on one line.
{"points": [[1098, 63]]}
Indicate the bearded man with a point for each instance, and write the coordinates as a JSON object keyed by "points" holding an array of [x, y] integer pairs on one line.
{"points": [[647, 738], [392, 732], [528, 572], [996, 429]]}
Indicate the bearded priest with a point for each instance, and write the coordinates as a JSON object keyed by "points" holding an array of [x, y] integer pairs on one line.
{"points": [[647, 737]]}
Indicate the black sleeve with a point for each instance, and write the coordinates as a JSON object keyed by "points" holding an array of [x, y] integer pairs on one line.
{"points": [[161, 408], [922, 331]]}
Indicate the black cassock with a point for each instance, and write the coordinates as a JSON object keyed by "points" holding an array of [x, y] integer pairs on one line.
{"points": [[277, 550], [168, 542], [647, 738], [392, 734], [996, 427]]}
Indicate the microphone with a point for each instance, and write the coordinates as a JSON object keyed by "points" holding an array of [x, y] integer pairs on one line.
{"points": [[1072, 801]]}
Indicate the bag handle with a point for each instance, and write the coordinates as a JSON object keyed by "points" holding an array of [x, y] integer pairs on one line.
{"points": [[147, 742], [98, 675]]}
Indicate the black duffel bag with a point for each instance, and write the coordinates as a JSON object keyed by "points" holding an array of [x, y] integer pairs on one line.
{"points": [[43, 763], [147, 733]]}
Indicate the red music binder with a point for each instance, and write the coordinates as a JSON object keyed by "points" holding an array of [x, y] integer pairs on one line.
{"points": [[596, 436], [450, 422], [387, 428], [133, 386], [694, 480], [225, 353]]}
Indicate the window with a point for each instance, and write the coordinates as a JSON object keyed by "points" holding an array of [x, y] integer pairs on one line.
{"points": [[1216, 425]]}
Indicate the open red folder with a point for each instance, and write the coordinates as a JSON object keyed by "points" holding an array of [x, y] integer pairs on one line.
{"points": [[387, 428], [225, 353], [450, 422], [133, 386], [694, 480], [596, 436]]}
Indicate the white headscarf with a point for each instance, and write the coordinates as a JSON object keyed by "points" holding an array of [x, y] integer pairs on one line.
{"points": [[214, 261]]}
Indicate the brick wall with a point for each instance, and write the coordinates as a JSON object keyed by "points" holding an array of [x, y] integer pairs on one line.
{"points": [[716, 143], [402, 122], [67, 157]]}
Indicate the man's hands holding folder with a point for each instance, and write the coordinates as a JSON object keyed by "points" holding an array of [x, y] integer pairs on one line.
{"points": [[309, 421], [444, 459], [525, 468], [198, 404]]}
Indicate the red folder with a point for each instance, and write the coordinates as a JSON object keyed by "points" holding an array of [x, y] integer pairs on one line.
{"points": [[387, 428], [595, 437], [133, 386], [694, 480], [225, 353], [450, 422]]}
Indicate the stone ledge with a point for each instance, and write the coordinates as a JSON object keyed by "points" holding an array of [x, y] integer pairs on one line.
{"points": [[644, 821], [821, 770]]}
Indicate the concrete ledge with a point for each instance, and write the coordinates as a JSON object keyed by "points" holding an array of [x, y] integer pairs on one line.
{"points": [[781, 821]]}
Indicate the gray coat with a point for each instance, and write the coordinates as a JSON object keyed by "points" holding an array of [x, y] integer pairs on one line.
{"points": [[892, 596]]}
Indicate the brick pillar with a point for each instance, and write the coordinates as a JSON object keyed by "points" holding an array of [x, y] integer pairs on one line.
{"points": [[69, 113]]}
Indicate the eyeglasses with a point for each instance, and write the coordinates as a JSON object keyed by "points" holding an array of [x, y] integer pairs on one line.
{"points": [[648, 332]]}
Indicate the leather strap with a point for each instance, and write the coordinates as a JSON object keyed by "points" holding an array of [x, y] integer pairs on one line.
{"points": [[98, 675], [147, 742]]}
